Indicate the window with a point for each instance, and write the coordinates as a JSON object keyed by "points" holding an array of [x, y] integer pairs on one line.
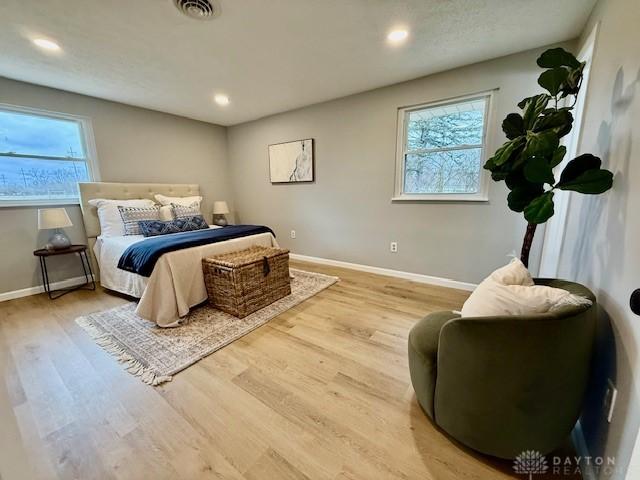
{"points": [[441, 150], [42, 156]]}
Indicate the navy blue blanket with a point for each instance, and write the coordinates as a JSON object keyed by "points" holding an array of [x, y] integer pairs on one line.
{"points": [[141, 257]]}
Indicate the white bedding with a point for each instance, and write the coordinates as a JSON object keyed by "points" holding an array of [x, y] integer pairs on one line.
{"points": [[108, 251], [177, 282]]}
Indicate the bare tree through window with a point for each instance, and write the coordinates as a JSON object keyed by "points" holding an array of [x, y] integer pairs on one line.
{"points": [[443, 148]]}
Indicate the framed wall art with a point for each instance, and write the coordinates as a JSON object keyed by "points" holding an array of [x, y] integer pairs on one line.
{"points": [[292, 162]]}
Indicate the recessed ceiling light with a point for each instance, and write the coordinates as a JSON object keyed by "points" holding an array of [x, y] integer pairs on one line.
{"points": [[45, 44], [397, 36], [221, 99]]}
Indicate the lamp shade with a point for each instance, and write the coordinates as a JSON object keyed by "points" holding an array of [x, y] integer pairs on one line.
{"points": [[220, 208], [53, 218]]}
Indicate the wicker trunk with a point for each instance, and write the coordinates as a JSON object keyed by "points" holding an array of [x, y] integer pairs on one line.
{"points": [[242, 282]]}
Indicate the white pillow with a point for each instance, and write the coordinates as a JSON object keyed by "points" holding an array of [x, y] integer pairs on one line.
{"points": [[186, 201], [185, 211], [510, 291], [111, 224], [513, 273], [166, 213]]}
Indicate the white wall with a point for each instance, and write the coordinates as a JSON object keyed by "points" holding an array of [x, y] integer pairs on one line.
{"points": [[134, 145], [602, 241], [347, 214]]}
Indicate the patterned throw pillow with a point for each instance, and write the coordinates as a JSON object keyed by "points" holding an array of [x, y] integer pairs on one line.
{"points": [[132, 215], [182, 211], [152, 228]]}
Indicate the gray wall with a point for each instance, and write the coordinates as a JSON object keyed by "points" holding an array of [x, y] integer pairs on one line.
{"points": [[347, 214], [134, 145], [601, 246]]}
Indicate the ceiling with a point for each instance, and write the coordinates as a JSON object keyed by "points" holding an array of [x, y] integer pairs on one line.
{"points": [[267, 56]]}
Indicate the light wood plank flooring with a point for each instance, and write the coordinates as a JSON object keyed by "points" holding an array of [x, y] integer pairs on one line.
{"points": [[321, 392]]}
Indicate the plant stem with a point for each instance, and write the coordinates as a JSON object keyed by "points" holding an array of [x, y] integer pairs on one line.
{"points": [[526, 244]]}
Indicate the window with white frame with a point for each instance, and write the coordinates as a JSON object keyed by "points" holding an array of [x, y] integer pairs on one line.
{"points": [[43, 156], [441, 149]]}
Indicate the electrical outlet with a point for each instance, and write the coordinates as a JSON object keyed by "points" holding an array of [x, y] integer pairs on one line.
{"points": [[609, 402], [393, 247], [293, 234]]}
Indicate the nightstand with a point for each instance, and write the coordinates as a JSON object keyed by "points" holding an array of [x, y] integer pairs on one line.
{"points": [[81, 250]]}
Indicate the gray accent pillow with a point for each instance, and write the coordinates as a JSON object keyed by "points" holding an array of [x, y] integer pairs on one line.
{"points": [[182, 211], [132, 215]]}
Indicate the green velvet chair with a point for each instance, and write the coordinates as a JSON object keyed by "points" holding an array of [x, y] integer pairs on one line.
{"points": [[502, 385]]}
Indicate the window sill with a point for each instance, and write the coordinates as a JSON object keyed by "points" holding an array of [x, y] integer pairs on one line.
{"points": [[38, 203], [445, 197]]}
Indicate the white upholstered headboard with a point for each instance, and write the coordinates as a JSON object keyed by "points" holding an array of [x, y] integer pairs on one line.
{"points": [[123, 191]]}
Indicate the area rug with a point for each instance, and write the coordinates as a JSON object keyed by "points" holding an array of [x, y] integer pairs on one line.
{"points": [[155, 354]]}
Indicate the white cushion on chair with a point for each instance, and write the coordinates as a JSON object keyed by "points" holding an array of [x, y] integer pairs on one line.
{"points": [[513, 273], [510, 290]]}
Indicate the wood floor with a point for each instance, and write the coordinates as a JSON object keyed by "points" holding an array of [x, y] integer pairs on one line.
{"points": [[321, 392]]}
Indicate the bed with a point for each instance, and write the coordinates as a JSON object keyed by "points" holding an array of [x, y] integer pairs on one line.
{"points": [[176, 283]]}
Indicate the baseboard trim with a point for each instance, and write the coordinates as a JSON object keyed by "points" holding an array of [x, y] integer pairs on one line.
{"points": [[586, 467], [415, 277], [25, 292]]}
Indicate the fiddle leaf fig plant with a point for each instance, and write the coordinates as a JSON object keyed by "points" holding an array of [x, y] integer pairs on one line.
{"points": [[527, 161]]}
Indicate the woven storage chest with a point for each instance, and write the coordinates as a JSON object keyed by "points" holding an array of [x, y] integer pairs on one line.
{"points": [[242, 282]]}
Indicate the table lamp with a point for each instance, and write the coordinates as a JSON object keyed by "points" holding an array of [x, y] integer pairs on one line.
{"points": [[220, 209], [55, 219]]}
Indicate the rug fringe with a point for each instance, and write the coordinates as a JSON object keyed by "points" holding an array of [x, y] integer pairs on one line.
{"points": [[132, 365]]}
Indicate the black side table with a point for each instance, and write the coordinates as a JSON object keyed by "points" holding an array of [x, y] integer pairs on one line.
{"points": [[81, 250]]}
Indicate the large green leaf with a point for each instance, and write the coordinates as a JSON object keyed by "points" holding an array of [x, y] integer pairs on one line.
{"points": [[578, 166], [558, 156], [541, 144], [572, 84], [538, 170], [583, 174], [522, 103], [498, 175], [592, 182], [532, 107], [508, 169], [513, 126], [560, 121], [557, 57], [503, 154], [553, 79], [540, 209], [516, 179], [522, 196]]}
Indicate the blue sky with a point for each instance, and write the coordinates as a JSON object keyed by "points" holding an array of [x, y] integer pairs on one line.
{"points": [[31, 135]]}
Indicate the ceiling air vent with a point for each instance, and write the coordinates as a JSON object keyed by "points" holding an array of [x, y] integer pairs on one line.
{"points": [[198, 9]]}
